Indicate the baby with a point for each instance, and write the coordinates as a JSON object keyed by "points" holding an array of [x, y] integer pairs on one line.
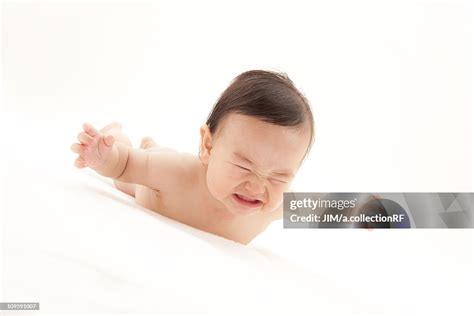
{"points": [[253, 143]]}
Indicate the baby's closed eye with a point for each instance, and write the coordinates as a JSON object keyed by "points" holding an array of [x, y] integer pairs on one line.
{"points": [[273, 179], [278, 180], [242, 167]]}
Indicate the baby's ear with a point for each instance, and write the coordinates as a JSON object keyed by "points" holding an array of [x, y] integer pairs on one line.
{"points": [[205, 144]]}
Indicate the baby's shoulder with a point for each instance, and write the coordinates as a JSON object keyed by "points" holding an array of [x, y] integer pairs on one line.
{"points": [[191, 167], [171, 169], [193, 173]]}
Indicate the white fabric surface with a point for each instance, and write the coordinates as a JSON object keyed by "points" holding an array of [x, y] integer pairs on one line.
{"points": [[74, 243]]}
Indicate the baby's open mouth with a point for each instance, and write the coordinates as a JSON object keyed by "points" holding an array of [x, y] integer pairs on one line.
{"points": [[247, 201]]}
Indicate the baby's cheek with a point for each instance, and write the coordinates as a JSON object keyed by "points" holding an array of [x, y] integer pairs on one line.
{"points": [[212, 183], [276, 197], [219, 184]]}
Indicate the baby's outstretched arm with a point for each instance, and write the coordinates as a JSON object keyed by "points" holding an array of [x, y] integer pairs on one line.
{"points": [[126, 164]]}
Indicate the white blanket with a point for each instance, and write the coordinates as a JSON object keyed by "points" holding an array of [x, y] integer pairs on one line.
{"points": [[75, 244]]}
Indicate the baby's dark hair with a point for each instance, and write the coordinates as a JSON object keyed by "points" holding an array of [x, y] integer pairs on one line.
{"points": [[269, 96]]}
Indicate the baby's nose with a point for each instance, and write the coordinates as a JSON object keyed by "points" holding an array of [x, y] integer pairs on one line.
{"points": [[255, 186]]}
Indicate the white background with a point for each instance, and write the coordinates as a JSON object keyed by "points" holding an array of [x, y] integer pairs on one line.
{"points": [[390, 83]]}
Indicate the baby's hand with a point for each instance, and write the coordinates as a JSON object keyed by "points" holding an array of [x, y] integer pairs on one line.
{"points": [[94, 148]]}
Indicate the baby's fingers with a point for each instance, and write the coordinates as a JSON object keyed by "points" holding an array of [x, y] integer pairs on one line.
{"points": [[77, 148], [80, 163], [84, 138], [89, 129]]}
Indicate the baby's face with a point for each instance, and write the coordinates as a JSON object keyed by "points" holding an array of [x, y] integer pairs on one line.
{"points": [[250, 163]]}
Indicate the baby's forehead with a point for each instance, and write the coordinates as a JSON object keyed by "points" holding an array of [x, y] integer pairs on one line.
{"points": [[268, 154], [244, 131]]}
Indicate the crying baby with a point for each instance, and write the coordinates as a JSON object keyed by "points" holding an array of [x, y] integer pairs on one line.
{"points": [[251, 147]]}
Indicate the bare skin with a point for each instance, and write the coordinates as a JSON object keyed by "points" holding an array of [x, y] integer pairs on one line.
{"points": [[199, 191]]}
